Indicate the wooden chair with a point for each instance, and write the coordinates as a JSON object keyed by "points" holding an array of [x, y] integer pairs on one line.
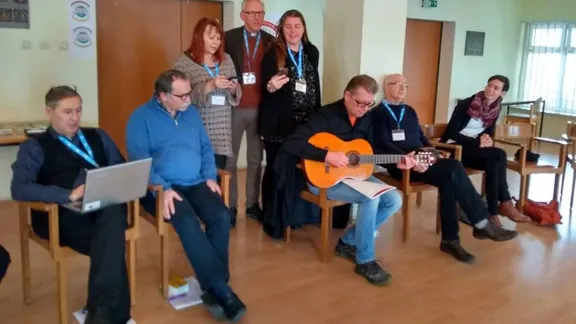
{"points": [[522, 131], [408, 187], [531, 118], [164, 229], [326, 207], [570, 137], [434, 132], [60, 253]]}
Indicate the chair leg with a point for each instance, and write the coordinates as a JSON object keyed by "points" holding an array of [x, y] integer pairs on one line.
{"points": [[405, 217], [132, 270], [164, 265], [325, 235], [62, 292], [562, 183], [287, 233], [573, 187], [26, 274], [483, 186], [522, 198], [556, 185], [419, 199]]}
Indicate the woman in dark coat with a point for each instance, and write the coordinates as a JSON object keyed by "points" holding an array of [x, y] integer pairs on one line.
{"points": [[472, 126]]}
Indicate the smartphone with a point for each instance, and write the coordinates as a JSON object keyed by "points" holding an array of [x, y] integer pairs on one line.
{"points": [[283, 71], [232, 78]]}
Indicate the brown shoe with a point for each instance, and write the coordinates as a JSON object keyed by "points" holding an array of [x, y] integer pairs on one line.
{"points": [[507, 208]]}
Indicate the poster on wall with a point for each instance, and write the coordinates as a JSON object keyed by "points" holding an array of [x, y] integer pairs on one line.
{"points": [[82, 35], [270, 23], [14, 14]]}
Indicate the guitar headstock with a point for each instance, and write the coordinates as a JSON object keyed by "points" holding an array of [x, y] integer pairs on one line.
{"points": [[427, 156]]}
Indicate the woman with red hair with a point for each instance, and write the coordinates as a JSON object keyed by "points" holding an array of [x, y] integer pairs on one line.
{"points": [[215, 88]]}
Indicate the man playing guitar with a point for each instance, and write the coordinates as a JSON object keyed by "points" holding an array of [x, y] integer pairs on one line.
{"points": [[347, 120], [397, 131]]}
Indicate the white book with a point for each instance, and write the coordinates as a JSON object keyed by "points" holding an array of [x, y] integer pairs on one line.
{"points": [[191, 298], [367, 188]]}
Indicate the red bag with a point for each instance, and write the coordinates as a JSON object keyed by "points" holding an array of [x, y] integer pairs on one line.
{"points": [[544, 213]]}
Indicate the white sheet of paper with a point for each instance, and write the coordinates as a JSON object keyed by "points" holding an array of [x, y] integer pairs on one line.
{"points": [[398, 135], [300, 87], [248, 78]]}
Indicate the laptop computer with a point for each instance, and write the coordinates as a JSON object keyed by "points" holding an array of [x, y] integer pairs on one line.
{"points": [[112, 185]]}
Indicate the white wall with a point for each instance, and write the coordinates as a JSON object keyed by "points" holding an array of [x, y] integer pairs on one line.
{"points": [[499, 19]]}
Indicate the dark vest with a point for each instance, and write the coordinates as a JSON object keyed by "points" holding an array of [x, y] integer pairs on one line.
{"points": [[61, 167]]}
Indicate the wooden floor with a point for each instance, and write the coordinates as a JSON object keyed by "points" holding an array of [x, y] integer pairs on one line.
{"points": [[528, 280]]}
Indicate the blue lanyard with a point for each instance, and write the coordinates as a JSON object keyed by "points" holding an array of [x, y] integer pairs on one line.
{"points": [[250, 59], [299, 64], [210, 71], [398, 120], [90, 157]]}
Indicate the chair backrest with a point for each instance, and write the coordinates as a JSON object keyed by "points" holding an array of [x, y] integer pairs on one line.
{"points": [[535, 110], [515, 131], [434, 131], [571, 130]]}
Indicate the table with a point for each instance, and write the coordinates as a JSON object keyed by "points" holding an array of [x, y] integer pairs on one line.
{"points": [[18, 131]]}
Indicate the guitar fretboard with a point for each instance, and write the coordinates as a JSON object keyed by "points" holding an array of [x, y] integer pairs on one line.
{"points": [[381, 158]]}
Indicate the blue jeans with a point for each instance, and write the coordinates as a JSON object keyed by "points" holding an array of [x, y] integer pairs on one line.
{"points": [[371, 214]]}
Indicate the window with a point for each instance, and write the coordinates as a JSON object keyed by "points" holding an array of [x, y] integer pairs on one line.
{"points": [[549, 66]]}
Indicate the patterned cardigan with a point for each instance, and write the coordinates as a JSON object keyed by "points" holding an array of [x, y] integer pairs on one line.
{"points": [[217, 119]]}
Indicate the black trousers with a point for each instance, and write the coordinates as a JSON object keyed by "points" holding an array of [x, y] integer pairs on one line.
{"points": [[268, 179], [4, 262], [101, 236], [207, 250], [454, 186], [492, 160]]}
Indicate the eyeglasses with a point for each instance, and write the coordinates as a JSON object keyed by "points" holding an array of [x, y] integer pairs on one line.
{"points": [[363, 104], [254, 13], [399, 84], [182, 96]]}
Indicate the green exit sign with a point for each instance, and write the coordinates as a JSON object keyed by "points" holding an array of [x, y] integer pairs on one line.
{"points": [[430, 3]]}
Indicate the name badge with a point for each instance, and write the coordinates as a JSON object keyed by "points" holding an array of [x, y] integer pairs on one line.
{"points": [[218, 100], [248, 78], [301, 85], [398, 135]]}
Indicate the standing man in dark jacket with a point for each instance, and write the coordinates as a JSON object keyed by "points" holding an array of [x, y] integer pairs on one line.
{"points": [[51, 167], [246, 46]]}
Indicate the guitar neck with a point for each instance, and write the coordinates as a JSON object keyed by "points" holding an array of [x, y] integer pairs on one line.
{"points": [[381, 158]]}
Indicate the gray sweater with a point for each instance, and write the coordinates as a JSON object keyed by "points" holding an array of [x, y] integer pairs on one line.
{"points": [[217, 118]]}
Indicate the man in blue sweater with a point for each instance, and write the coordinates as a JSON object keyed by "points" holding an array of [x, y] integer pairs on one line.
{"points": [[169, 129], [397, 131]]}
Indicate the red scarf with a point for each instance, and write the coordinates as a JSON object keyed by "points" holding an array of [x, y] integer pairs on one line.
{"points": [[479, 109]]}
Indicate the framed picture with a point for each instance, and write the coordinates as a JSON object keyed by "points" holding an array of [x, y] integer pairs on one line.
{"points": [[474, 43]]}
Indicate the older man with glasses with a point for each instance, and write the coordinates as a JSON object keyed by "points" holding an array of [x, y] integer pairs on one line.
{"points": [[246, 45], [169, 130]]}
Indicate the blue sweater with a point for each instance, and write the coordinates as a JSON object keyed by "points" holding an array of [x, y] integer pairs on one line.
{"points": [[179, 146]]}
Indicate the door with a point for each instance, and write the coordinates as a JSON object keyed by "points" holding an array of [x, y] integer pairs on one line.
{"points": [[421, 61], [134, 46], [192, 12]]}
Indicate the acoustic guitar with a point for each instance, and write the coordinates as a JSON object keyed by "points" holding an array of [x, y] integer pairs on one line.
{"points": [[361, 160]]}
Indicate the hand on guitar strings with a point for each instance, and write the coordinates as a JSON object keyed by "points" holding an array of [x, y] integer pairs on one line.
{"points": [[407, 162], [337, 159]]}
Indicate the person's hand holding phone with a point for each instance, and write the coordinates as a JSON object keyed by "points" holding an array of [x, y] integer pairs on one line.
{"points": [[279, 80], [233, 83]]}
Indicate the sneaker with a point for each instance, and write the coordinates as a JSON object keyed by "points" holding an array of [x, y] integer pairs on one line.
{"points": [[494, 233], [233, 213], [211, 303], [254, 211], [457, 251], [346, 251], [374, 273], [234, 308]]}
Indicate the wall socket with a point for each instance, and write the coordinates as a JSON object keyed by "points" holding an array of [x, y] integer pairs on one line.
{"points": [[26, 44], [44, 45]]}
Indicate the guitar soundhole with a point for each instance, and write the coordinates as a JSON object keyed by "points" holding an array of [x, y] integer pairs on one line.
{"points": [[353, 159]]}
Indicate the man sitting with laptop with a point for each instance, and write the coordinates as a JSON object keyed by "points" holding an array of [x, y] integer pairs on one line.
{"points": [[51, 167], [169, 129]]}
